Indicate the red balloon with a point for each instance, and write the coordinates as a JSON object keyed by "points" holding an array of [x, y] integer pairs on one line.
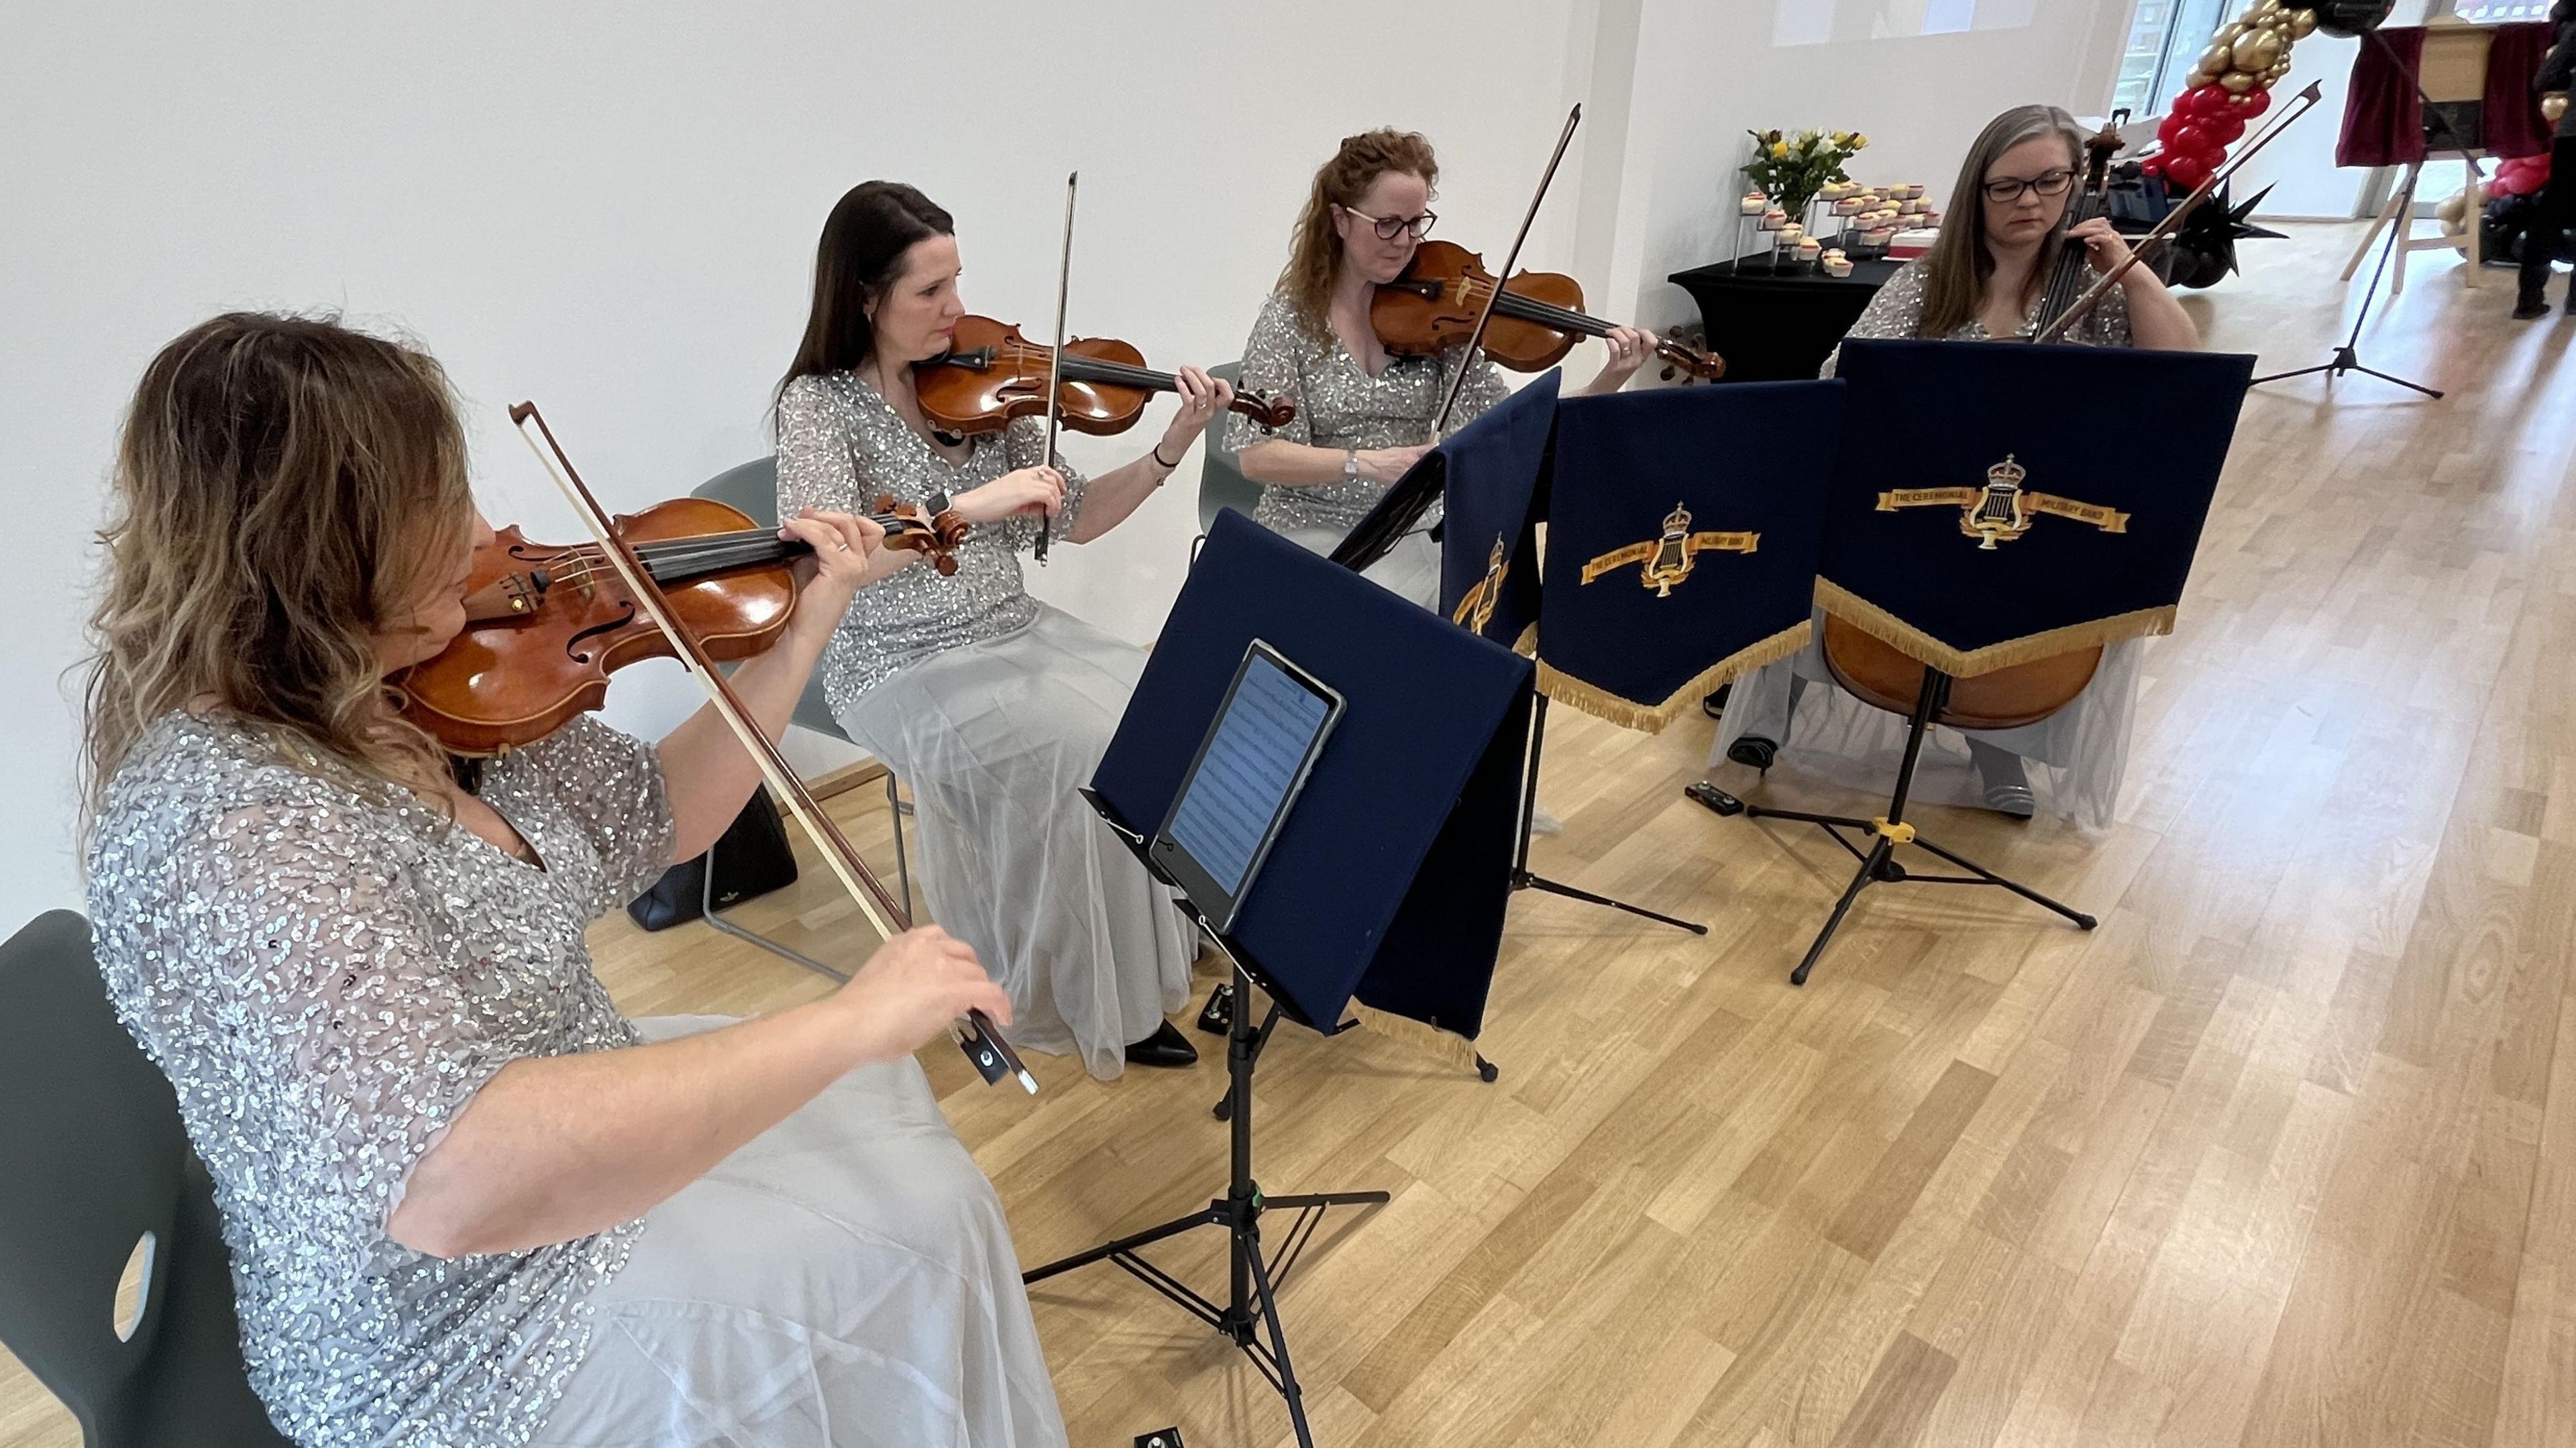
{"points": [[2208, 100], [2186, 171], [2251, 104], [2152, 166], [2224, 129], [2184, 138]]}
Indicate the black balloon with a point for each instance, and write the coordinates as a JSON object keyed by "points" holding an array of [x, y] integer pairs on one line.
{"points": [[2345, 17]]}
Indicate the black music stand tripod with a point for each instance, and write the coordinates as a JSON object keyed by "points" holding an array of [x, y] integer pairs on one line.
{"points": [[1878, 862], [1525, 878], [2347, 357], [1251, 1309]]}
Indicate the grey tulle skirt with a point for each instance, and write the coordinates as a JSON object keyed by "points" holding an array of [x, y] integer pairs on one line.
{"points": [[1410, 570], [2075, 758], [846, 1280], [993, 738]]}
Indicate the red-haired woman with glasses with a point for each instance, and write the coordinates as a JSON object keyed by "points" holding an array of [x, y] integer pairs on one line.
{"points": [[1363, 417]]}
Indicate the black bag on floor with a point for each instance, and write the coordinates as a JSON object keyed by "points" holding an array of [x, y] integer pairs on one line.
{"points": [[752, 859]]}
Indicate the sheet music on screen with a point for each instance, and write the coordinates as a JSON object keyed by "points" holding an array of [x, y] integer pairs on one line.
{"points": [[1249, 768]]}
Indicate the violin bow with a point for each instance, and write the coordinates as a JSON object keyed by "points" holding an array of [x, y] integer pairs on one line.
{"points": [[1055, 357], [2304, 102], [974, 1033], [1503, 278]]}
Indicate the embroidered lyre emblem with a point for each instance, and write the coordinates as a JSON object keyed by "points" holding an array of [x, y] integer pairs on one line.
{"points": [[1665, 560], [2003, 509], [1477, 609]]}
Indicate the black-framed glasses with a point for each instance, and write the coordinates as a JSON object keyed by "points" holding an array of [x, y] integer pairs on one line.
{"points": [[1391, 227], [2047, 183]]}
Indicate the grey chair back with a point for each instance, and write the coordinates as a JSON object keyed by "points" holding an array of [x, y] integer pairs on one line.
{"points": [[752, 488], [95, 1162], [1222, 485]]}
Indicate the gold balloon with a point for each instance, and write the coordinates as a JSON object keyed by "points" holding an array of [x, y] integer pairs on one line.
{"points": [[2236, 82], [2273, 76], [2267, 7], [2303, 23], [2197, 79], [2257, 50], [2554, 105], [2217, 60]]}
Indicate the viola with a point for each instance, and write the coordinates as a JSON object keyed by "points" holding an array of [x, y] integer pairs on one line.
{"points": [[991, 374], [1537, 319], [546, 624]]}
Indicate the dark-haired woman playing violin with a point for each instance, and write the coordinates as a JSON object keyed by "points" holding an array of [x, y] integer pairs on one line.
{"points": [[1363, 417], [992, 706]]}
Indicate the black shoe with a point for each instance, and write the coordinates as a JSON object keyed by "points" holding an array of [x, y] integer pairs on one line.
{"points": [[2007, 785], [1714, 705], [1166, 1047], [2532, 305], [1753, 750]]}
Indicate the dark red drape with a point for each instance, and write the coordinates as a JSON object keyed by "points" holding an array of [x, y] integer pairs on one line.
{"points": [[2383, 121]]}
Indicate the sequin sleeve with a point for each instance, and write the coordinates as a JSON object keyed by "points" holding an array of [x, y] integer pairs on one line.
{"points": [[815, 466], [1274, 363], [1024, 442], [324, 973], [1895, 310], [611, 784]]}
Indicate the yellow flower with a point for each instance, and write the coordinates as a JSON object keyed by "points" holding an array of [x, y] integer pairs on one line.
{"points": [[1779, 150], [1858, 140]]}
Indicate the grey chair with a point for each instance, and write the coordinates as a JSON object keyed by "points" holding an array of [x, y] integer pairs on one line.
{"points": [[752, 488], [93, 1162], [1222, 485]]}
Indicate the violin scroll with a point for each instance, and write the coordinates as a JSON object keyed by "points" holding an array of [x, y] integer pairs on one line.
{"points": [[934, 536]]}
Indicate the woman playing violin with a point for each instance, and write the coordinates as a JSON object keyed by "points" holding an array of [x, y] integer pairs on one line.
{"points": [[992, 706], [468, 1202], [1363, 417], [1984, 279]]}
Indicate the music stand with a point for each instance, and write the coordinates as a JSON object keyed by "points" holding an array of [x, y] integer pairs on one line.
{"points": [[1946, 574], [1386, 884], [2347, 356]]}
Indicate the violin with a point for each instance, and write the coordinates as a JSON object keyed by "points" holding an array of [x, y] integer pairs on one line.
{"points": [[1433, 306], [991, 374], [545, 625]]}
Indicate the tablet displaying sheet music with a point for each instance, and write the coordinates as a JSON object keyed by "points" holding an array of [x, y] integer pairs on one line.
{"points": [[1254, 759]]}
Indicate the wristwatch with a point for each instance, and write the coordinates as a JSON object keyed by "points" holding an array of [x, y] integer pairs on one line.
{"points": [[1350, 462]]}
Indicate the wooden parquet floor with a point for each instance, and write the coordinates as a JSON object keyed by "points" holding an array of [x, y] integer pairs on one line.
{"points": [[2284, 1154]]}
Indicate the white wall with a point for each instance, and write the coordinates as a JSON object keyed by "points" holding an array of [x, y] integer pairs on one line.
{"points": [[612, 209], [1708, 72]]}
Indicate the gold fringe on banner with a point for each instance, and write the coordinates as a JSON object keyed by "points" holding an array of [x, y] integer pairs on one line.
{"points": [[1447, 1047], [1600, 703], [1915, 644]]}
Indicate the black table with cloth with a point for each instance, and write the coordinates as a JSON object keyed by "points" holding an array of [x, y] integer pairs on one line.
{"points": [[1779, 327]]}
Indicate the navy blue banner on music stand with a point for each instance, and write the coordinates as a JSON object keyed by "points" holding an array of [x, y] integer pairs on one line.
{"points": [[1388, 882], [1685, 525], [2017, 489], [1488, 543]]}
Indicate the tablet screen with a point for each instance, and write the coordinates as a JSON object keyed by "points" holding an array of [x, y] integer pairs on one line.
{"points": [[1250, 765]]}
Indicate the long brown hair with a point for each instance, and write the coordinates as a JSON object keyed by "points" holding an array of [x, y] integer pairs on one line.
{"points": [[1959, 266], [859, 256], [1314, 248], [283, 488]]}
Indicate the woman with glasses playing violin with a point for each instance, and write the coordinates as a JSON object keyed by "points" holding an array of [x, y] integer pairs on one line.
{"points": [[992, 706], [1363, 417], [1983, 279]]}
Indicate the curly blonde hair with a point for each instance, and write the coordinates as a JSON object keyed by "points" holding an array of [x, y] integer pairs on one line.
{"points": [[283, 488], [1314, 248]]}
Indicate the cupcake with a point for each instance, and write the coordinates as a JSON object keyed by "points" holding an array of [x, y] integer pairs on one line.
{"points": [[1755, 202], [1774, 219], [1792, 234], [1810, 249], [1835, 264], [1913, 192], [1848, 205]]}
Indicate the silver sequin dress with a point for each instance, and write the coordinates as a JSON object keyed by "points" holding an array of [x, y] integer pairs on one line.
{"points": [[1339, 405], [994, 708], [2074, 759], [327, 978]]}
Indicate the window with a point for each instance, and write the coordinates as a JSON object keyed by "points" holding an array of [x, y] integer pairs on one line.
{"points": [[2165, 37]]}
